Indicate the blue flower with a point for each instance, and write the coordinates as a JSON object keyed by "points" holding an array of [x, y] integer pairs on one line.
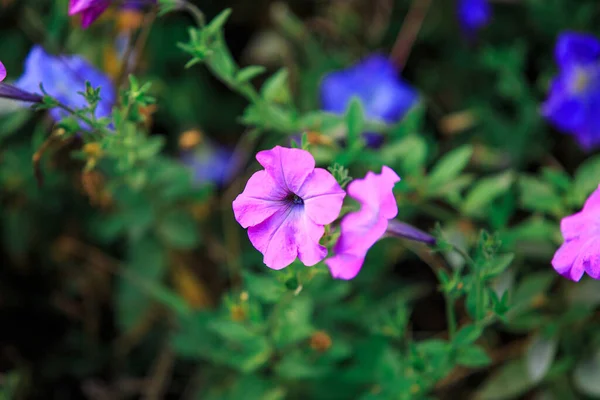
{"points": [[473, 15], [64, 76], [384, 95], [573, 104], [209, 163]]}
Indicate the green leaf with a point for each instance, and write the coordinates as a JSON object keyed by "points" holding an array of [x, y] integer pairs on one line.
{"points": [[232, 331], [264, 287], [467, 335], [497, 265], [294, 322], [410, 152], [355, 120], [485, 191], [249, 73], [532, 285], [218, 22], [178, 229], [586, 178], [537, 195], [539, 358], [472, 356], [276, 88], [151, 146], [146, 261], [586, 376], [449, 166], [509, 382]]}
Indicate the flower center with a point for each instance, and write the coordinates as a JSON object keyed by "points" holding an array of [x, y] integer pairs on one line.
{"points": [[582, 79], [295, 199]]}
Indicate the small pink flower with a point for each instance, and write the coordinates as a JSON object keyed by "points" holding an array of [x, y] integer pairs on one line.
{"points": [[581, 250], [90, 10], [361, 229], [2, 71], [286, 205]]}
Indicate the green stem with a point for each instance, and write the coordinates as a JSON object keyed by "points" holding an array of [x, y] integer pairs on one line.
{"points": [[450, 315], [195, 12]]}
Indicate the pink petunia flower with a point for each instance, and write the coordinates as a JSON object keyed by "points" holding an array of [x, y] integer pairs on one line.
{"points": [[581, 250], [361, 229], [2, 71], [286, 205], [90, 10]]}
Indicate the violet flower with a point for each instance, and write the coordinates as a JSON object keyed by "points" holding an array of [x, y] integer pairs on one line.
{"points": [[361, 229], [574, 99], [473, 15], [90, 10], [210, 163], [580, 253], [375, 81], [2, 72], [286, 206], [62, 77]]}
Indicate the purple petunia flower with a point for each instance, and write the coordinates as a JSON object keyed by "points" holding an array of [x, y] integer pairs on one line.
{"points": [[574, 98], [581, 250], [210, 163], [384, 95], [90, 10], [2, 72], [62, 77], [361, 229], [286, 205], [473, 15]]}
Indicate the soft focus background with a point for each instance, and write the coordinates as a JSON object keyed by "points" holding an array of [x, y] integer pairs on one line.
{"points": [[150, 288]]}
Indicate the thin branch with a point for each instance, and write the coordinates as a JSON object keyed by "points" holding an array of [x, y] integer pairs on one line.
{"points": [[409, 31]]}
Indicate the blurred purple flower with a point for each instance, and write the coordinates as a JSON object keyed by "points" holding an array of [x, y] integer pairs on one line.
{"points": [[209, 164], [62, 77], [574, 99], [90, 10], [473, 15], [286, 206], [384, 95], [361, 229], [581, 250], [2, 72]]}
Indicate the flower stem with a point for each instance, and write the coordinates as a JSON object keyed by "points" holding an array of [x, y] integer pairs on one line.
{"points": [[450, 315]]}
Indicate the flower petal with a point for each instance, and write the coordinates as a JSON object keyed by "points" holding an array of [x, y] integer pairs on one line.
{"points": [[565, 111], [375, 191], [289, 168], [260, 199], [323, 197], [576, 48], [345, 266], [359, 232], [286, 235], [564, 260], [310, 251], [274, 238], [387, 180], [589, 258], [2, 72]]}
